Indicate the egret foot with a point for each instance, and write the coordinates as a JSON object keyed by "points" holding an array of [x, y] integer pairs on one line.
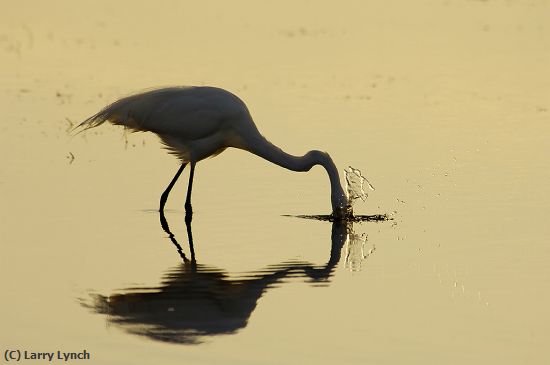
{"points": [[188, 212], [162, 202]]}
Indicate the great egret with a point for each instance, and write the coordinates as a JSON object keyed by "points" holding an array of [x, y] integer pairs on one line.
{"points": [[197, 122]]}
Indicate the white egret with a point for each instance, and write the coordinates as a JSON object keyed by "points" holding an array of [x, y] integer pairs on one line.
{"points": [[199, 122]]}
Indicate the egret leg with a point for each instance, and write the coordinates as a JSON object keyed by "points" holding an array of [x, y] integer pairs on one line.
{"points": [[164, 195], [190, 239], [166, 228], [188, 208]]}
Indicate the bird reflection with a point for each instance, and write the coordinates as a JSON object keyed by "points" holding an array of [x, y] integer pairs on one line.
{"points": [[195, 300]]}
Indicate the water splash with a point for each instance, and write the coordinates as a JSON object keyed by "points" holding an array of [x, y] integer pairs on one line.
{"points": [[357, 250], [355, 185], [354, 218]]}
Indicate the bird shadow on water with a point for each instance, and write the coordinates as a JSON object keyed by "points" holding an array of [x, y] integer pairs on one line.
{"points": [[196, 301]]}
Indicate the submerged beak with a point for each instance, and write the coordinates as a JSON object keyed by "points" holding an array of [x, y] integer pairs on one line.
{"points": [[342, 213]]}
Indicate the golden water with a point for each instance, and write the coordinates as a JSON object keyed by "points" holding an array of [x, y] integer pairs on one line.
{"points": [[443, 105]]}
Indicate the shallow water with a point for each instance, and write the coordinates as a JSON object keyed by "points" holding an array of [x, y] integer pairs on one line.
{"points": [[442, 104], [353, 218]]}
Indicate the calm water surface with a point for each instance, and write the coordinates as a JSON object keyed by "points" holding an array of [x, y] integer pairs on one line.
{"points": [[442, 104]]}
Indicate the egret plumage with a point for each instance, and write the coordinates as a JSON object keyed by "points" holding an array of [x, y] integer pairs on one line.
{"points": [[196, 122]]}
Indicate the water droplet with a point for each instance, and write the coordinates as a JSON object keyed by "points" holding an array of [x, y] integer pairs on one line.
{"points": [[355, 185]]}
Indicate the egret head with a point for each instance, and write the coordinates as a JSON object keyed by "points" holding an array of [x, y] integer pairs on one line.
{"points": [[341, 209]]}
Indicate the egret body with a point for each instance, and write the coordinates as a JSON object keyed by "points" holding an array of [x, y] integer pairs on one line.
{"points": [[199, 122]]}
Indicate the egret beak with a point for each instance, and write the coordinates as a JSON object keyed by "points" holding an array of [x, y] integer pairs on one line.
{"points": [[342, 213]]}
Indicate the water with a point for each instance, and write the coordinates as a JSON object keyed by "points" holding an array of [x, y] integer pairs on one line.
{"points": [[197, 301], [355, 185], [443, 105]]}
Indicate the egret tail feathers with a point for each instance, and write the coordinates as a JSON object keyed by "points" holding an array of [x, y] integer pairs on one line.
{"points": [[134, 112], [117, 113]]}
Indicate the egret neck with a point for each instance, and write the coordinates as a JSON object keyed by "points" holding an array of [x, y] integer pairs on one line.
{"points": [[265, 149]]}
